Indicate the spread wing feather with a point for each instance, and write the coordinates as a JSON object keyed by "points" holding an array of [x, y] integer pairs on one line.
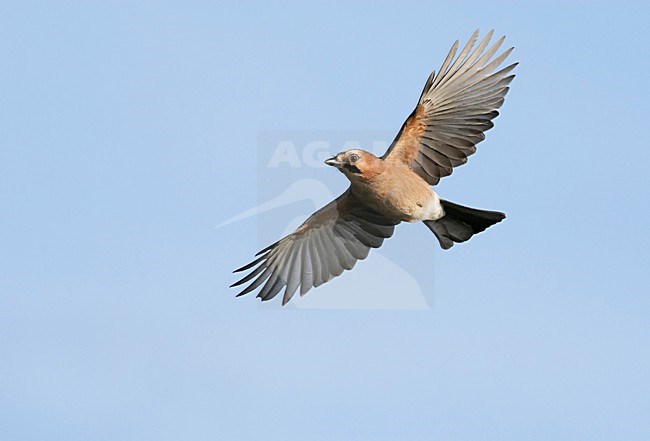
{"points": [[332, 240], [455, 110]]}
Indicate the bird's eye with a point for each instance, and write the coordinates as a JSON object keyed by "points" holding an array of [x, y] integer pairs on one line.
{"points": [[354, 157]]}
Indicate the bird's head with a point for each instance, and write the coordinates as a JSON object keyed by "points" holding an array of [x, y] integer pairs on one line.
{"points": [[356, 164]]}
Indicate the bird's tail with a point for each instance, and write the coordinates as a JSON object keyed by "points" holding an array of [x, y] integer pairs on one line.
{"points": [[460, 223]]}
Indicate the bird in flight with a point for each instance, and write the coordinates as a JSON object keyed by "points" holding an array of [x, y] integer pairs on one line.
{"points": [[456, 107]]}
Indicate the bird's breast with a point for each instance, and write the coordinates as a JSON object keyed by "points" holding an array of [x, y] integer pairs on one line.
{"points": [[400, 194]]}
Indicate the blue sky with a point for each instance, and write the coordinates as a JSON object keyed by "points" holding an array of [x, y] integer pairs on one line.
{"points": [[130, 130]]}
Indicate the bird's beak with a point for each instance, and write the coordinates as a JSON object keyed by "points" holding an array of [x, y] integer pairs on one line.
{"points": [[333, 162]]}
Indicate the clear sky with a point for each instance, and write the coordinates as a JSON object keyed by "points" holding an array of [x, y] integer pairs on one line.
{"points": [[130, 131]]}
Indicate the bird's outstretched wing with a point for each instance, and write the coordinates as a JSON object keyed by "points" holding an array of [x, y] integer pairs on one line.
{"points": [[329, 241], [455, 109]]}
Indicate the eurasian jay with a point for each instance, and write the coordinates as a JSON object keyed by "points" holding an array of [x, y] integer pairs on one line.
{"points": [[455, 108]]}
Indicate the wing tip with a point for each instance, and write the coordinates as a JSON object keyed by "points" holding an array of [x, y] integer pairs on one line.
{"points": [[267, 248], [239, 270]]}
